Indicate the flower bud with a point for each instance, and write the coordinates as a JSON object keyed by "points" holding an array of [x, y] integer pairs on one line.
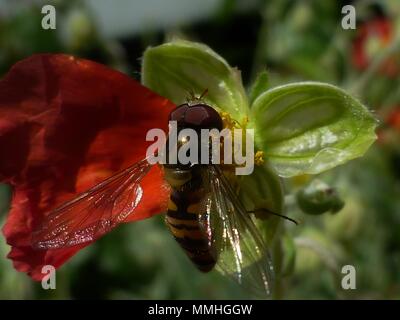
{"points": [[318, 198]]}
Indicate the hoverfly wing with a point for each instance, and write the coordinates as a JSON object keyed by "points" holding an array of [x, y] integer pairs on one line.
{"points": [[240, 250], [94, 212]]}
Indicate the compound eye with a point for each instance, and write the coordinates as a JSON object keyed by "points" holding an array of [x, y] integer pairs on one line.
{"points": [[202, 116], [178, 113]]}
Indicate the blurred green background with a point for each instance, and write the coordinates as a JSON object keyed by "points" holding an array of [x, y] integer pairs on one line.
{"points": [[293, 40]]}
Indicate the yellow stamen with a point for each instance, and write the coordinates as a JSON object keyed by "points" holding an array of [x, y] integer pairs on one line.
{"points": [[227, 121], [259, 158]]}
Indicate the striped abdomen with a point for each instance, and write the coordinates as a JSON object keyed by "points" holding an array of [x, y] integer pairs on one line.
{"points": [[183, 221]]}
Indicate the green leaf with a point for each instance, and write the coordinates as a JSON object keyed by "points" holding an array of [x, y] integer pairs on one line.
{"points": [[310, 127], [259, 86], [175, 69], [263, 190]]}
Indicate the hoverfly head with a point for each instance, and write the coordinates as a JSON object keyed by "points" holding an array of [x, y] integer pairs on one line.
{"points": [[196, 116]]}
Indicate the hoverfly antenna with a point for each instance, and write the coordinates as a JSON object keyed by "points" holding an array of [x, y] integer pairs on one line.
{"points": [[192, 94], [193, 98], [205, 92]]}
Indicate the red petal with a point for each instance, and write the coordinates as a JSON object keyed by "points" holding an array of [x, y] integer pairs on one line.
{"points": [[382, 30], [393, 119], [65, 125]]}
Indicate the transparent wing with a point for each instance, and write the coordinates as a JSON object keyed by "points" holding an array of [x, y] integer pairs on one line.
{"points": [[241, 252], [94, 212]]}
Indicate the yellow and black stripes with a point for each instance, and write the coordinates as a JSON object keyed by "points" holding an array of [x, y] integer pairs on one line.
{"points": [[183, 221]]}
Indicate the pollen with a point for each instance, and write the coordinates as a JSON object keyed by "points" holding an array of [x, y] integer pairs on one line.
{"points": [[227, 121], [259, 158]]}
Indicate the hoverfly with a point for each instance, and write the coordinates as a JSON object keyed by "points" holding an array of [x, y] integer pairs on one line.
{"points": [[204, 213]]}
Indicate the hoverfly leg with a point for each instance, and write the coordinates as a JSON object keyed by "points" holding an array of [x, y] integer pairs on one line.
{"points": [[267, 211]]}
